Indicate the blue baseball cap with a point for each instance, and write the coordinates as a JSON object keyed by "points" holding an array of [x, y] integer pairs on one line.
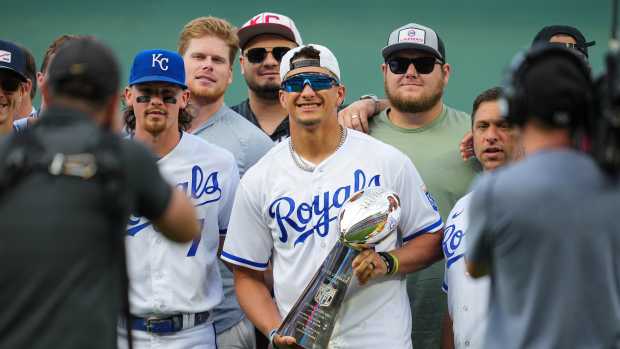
{"points": [[12, 58], [158, 66]]}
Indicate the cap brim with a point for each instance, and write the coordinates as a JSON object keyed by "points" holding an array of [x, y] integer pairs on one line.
{"points": [[388, 50], [246, 34], [157, 78], [19, 75]]}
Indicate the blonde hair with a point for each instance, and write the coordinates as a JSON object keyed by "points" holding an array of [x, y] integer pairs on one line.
{"points": [[210, 26]]}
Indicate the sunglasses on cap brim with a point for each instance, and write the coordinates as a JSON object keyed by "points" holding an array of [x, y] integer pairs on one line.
{"points": [[579, 48], [423, 65], [317, 82], [258, 54]]}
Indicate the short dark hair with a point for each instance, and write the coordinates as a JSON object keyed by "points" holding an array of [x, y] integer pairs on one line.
{"points": [[185, 119], [310, 52], [84, 69], [307, 52], [31, 70], [54, 46], [490, 95]]}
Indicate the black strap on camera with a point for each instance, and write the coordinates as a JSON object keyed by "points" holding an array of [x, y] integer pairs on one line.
{"points": [[100, 161]]}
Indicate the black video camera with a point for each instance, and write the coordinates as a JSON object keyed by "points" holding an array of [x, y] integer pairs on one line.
{"points": [[606, 137]]}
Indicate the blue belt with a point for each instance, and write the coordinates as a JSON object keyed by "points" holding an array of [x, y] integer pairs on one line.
{"points": [[172, 323]]}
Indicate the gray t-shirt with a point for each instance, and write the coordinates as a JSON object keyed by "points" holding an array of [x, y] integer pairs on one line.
{"points": [[546, 228], [248, 144]]}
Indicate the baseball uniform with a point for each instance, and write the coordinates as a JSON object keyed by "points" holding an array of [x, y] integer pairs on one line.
{"points": [[170, 278], [467, 297], [289, 216]]}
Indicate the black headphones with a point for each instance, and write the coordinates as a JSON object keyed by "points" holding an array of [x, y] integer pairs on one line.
{"points": [[514, 97]]}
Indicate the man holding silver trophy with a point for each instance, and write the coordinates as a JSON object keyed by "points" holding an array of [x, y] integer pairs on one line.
{"points": [[287, 210]]}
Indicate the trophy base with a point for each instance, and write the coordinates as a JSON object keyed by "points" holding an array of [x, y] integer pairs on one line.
{"points": [[311, 320]]}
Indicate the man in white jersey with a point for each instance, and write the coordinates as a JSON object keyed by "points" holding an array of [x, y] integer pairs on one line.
{"points": [[286, 210], [495, 144], [174, 287]]}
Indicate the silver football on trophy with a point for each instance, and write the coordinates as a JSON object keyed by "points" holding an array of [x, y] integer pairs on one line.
{"points": [[369, 216]]}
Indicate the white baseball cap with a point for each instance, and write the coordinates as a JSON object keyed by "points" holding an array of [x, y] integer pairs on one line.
{"points": [[268, 23], [326, 60]]}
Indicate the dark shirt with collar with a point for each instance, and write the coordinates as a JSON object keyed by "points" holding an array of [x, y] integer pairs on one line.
{"points": [[281, 132]]}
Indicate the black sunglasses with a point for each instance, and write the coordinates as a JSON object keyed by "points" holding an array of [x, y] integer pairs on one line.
{"points": [[258, 54], [579, 48], [9, 83], [423, 65]]}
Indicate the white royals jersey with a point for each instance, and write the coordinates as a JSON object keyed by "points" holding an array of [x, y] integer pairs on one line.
{"points": [[167, 277], [289, 216], [468, 298]]}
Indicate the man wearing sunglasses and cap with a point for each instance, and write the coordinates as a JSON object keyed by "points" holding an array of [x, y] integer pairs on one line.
{"points": [[286, 208], [13, 84], [264, 39], [175, 287], [418, 123], [564, 35]]}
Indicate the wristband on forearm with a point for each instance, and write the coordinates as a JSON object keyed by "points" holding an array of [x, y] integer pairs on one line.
{"points": [[391, 262], [375, 101], [271, 336]]}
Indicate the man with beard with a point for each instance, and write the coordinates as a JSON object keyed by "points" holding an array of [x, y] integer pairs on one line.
{"points": [[208, 46], [13, 84], [174, 288], [417, 122], [263, 40]]}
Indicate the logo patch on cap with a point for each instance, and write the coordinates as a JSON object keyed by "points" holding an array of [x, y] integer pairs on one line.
{"points": [[162, 61], [265, 18], [412, 35], [5, 56]]}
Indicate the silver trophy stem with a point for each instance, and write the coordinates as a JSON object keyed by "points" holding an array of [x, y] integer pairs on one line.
{"points": [[312, 318], [365, 220]]}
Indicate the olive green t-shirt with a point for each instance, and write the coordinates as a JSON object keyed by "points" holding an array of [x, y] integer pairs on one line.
{"points": [[434, 150]]}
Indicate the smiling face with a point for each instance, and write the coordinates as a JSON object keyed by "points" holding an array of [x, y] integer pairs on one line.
{"points": [[208, 69], [156, 106], [263, 78], [495, 141], [311, 107], [414, 92]]}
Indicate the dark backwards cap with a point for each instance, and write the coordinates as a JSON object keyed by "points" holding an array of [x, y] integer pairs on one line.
{"points": [[13, 58], [545, 34], [84, 69], [566, 89]]}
